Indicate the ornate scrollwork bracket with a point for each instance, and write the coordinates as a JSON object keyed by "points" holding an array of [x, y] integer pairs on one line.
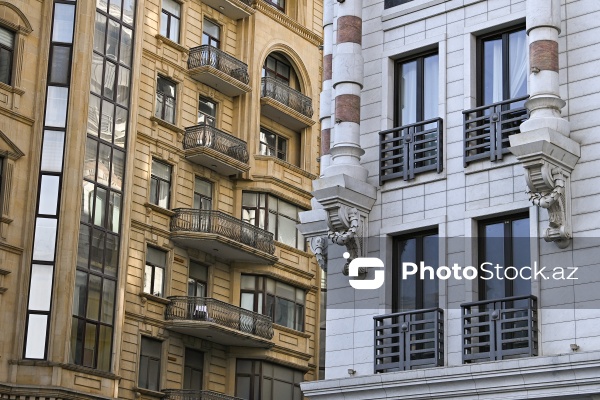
{"points": [[318, 245], [348, 217], [549, 188]]}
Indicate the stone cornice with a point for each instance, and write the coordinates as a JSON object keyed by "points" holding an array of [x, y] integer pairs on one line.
{"points": [[288, 22], [526, 378]]}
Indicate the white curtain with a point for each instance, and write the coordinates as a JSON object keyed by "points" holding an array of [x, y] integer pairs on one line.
{"points": [[497, 71], [408, 96], [517, 46], [431, 87]]}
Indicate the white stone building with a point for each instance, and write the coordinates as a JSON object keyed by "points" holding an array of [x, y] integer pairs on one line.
{"points": [[453, 132]]}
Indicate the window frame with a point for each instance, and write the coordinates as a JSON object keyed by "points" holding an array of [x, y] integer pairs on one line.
{"points": [[211, 40], [257, 377], [207, 117], [274, 74], [276, 4], [11, 55], [394, 3], [139, 374], [169, 17], [202, 196], [275, 149], [159, 180], [153, 275], [165, 97], [197, 281], [503, 35], [186, 366]]}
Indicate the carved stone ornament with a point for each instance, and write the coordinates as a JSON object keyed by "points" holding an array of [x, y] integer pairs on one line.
{"points": [[549, 188], [318, 246], [350, 238]]}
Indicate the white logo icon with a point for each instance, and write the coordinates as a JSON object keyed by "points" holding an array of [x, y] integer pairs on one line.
{"points": [[364, 263]]}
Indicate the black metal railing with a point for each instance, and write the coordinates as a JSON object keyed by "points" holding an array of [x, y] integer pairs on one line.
{"points": [[184, 394], [217, 222], [281, 92], [500, 329], [411, 149], [204, 135], [183, 308], [207, 55], [487, 128], [409, 340]]}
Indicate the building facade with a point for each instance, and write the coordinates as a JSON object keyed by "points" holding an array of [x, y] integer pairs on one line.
{"points": [[461, 141], [154, 158]]}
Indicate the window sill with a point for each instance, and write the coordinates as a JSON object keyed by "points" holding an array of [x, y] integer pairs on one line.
{"points": [[156, 299], [292, 331], [166, 124], [148, 392], [171, 43], [70, 367], [159, 209]]}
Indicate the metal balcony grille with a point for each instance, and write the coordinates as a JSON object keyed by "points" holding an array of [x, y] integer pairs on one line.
{"points": [[204, 135], [217, 222], [409, 340], [281, 92], [207, 55], [183, 394], [486, 129], [500, 329], [221, 313], [410, 150]]}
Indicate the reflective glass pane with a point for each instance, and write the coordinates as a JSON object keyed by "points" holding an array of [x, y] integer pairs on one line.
{"points": [[52, 151], [104, 348], [93, 298], [494, 253], [161, 170], [164, 23], [102, 4], [431, 258], [492, 71], [93, 115], [89, 345], [64, 18], [111, 253], [104, 164], [112, 40], [120, 126], [126, 42], [115, 8], [211, 29], [148, 278], [77, 330], [407, 296], [56, 106], [49, 188], [110, 75], [128, 11], [174, 30], [100, 207], [286, 231], [408, 93], [36, 336], [106, 126], [91, 148], [172, 7], [83, 246], [99, 33], [517, 60], [108, 301], [430, 87], [40, 291], [158, 281], [45, 239], [97, 251], [61, 61], [118, 166], [123, 87], [114, 212], [80, 293]]}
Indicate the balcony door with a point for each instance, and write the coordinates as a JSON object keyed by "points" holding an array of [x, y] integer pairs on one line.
{"points": [[193, 369], [198, 277], [417, 89]]}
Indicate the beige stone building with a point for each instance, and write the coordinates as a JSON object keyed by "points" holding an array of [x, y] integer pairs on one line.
{"points": [[154, 157]]}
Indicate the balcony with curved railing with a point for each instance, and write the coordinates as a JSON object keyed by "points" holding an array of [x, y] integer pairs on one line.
{"points": [[210, 147], [219, 70], [222, 235], [285, 105], [218, 321]]}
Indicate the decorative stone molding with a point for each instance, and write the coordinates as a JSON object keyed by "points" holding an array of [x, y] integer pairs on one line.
{"points": [[318, 245]]}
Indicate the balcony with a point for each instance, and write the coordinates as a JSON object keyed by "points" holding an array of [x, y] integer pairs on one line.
{"points": [[409, 340], [218, 322], [208, 146], [234, 9], [410, 150], [183, 394], [222, 235], [285, 105], [487, 128], [500, 329], [219, 70]]}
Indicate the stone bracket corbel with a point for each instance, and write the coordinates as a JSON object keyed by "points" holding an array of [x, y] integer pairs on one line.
{"points": [[348, 217]]}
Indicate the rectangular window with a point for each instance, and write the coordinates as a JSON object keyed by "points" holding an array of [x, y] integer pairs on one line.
{"points": [[414, 293], [272, 144], [211, 33], [7, 43], [280, 4], [165, 100], [193, 369], [393, 3], [276, 67], [417, 89], [261, 380], [154, 272], [170, 19], [282, 302], [504, 241], [275, 215], [207, 111], [202, 194], [149, 371], [160, 184], [197, 281]]}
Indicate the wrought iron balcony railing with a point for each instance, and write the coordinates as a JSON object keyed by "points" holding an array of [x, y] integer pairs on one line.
{"points": [[184, 308], [184, 394], [486, 129], [500, 329], [219, 223], [409, 340], [411, 149], [204, 135], [279, 91], [207, 55]]}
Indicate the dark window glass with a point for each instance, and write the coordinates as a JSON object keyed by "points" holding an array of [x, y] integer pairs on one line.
{"points": [[165, 100], [272, 144], [7, 40], [275, 215], [197, 281], [160, 184], [394, 3], [505, 242], [211, 33], [149, 369], [276, 67], [261, 380], [207, 111], [282, 302], [193, 369], [170, 20], [414, 293], [503, 67], [154, 272], [417, 89], [202, 194], [280, 4]]}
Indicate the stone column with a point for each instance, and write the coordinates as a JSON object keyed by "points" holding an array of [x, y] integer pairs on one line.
{"points": [[347, 75], [326, 115]]}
